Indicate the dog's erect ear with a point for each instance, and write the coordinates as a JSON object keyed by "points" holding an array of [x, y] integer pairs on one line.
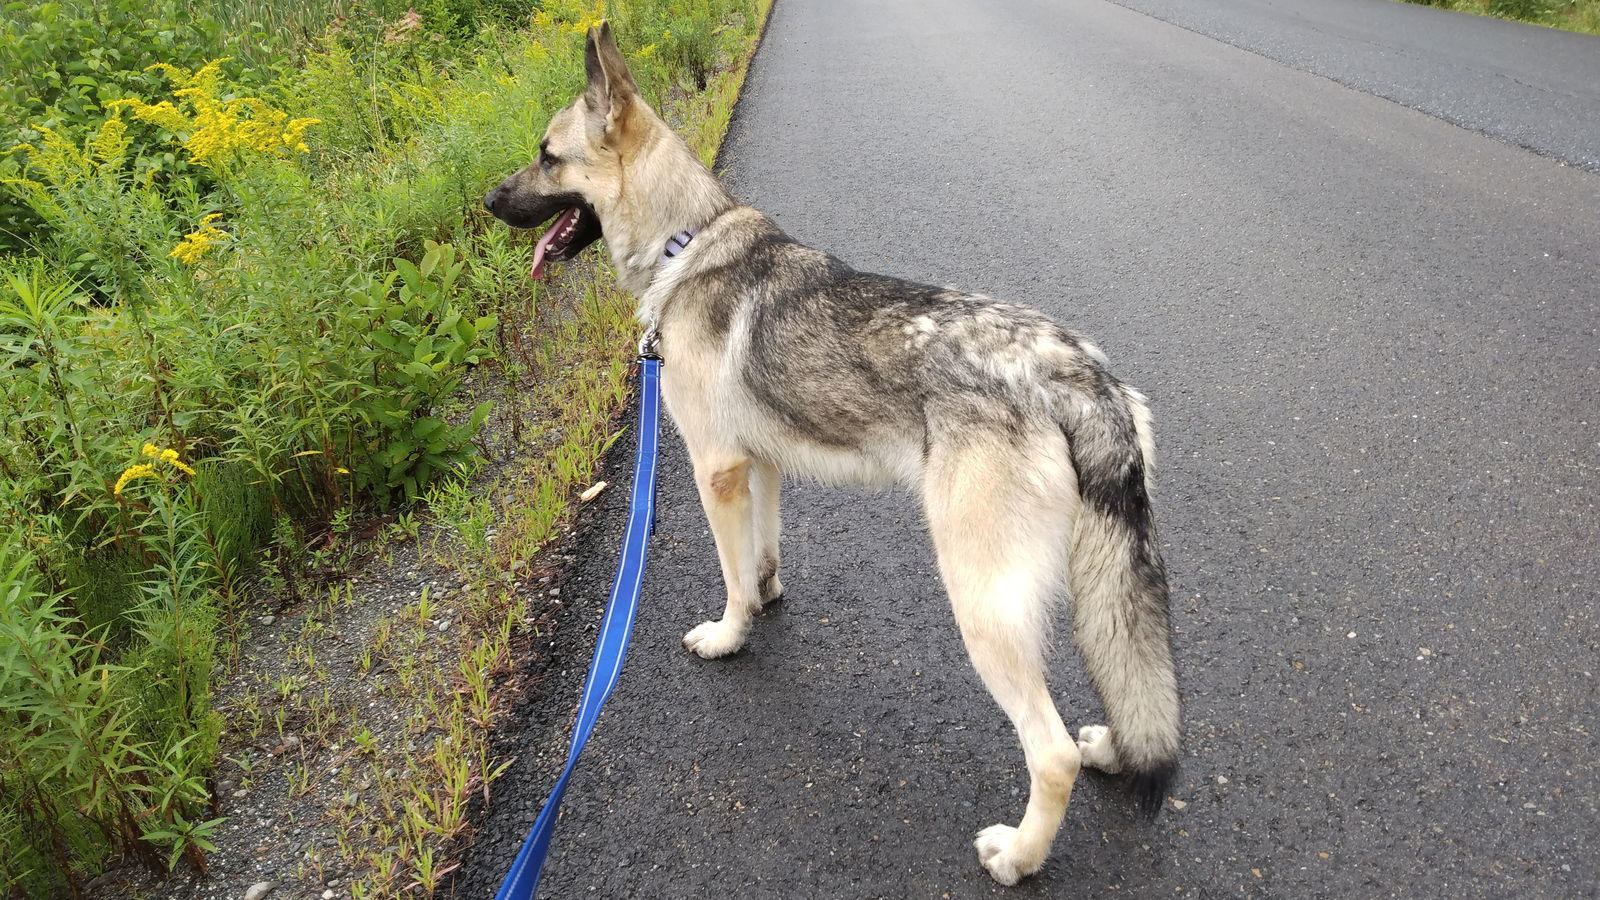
{"points": [[611, 89]]}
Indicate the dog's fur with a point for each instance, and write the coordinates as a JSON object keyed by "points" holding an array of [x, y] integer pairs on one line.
{"points": [[1033, 462]]}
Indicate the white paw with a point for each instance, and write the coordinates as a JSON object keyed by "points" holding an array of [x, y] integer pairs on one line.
{"points": [[710, 640], [771, 590], [1094, 743], [997, 850]]}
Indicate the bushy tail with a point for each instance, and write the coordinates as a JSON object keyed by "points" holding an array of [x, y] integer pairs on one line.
{"points": [[1119, 587]]}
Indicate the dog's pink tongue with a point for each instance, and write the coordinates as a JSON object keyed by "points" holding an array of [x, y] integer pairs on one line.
{"points": [[543, 247], [537, 271]]}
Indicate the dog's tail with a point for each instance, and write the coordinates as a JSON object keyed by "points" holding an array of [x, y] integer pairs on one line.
{"points": [[1119, 584]]}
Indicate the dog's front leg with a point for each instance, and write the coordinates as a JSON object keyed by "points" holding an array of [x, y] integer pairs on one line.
{"points": [[764, 493], [724, 483]]}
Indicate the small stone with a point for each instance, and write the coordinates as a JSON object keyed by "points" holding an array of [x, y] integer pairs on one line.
{"points": [[259, 889], [267, 620], [1178, 804], [445, 625], [328, 894], [1222, 779], [239, 794], [1351, 635]]}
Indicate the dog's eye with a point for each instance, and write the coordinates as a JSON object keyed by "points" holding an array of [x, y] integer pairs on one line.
{"points": [[547, 160]]}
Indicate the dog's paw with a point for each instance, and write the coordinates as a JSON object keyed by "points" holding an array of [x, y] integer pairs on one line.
{"points": [[710, 640], [771, 589], [1094, 743], [998, 851]]}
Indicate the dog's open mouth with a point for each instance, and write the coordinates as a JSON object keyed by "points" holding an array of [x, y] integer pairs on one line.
{"points": [[574, 229]]}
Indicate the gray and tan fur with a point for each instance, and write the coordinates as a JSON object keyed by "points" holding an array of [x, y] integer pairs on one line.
{"points": [[1033, 462]]}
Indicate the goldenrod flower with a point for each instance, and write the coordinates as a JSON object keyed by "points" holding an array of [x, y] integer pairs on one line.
{"points": [[110, 143], [214, 131], [168, 456], [171, 457], [146, 470], [195, 243], [132, 473]]}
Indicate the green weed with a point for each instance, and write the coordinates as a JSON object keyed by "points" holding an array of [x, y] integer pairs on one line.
{"points": [[1570, 15]]}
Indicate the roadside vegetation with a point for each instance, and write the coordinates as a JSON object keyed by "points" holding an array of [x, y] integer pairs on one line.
{"points": [[1570, 15], [256, 332]]}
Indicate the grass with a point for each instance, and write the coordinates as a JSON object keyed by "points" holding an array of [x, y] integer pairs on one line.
{"points": [[1570, 15]]}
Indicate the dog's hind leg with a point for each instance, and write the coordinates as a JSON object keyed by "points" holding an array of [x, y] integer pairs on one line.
{"points": [[999, 516], [764, 495], [725, 492]]}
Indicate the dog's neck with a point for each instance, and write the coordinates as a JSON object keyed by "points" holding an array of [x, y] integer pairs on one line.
{"points": [[666, 191]]}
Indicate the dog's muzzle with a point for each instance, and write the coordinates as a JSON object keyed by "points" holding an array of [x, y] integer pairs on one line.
{"points": [[576, 224]]}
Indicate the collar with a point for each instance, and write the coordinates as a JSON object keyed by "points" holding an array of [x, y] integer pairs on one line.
{"points": [[677, 244], [649, 344]]}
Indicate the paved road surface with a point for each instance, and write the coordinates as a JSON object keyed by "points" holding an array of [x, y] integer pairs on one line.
{"points": [[1370, 340], [1533, 87]]}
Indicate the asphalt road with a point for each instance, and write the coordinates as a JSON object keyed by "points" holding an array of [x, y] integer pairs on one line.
{"points": [[1530, 86], [1369, 336]]}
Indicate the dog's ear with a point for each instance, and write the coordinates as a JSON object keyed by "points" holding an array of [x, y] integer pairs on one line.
{"points": [[611, 89]]}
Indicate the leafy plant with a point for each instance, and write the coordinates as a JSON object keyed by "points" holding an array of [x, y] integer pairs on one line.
{"points": [[421, 343]]}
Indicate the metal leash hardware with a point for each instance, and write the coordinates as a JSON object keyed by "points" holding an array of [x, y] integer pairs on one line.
{"points": [[649, 344]]}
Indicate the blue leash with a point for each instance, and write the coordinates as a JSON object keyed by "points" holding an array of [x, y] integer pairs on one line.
{"points": [[612, 644]]}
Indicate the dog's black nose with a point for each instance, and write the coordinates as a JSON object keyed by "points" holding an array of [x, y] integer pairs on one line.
{"points": [[488, 199]]}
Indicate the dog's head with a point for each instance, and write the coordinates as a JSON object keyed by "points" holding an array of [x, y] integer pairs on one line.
{"points": [[581, 159]]}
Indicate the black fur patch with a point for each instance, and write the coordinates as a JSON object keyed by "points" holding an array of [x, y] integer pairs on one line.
{"points": [[1150, 788]]}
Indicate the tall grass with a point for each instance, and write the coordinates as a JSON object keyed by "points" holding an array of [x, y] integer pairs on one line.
{"points": [[1570, 15], [246, 296]]}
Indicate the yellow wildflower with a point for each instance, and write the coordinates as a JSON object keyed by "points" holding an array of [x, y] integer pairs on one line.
{"points": [[214, 131], [195, 243], [166, 455], [111, 142], [572, 17], [131, 473], [171, 458], [57, 161]]}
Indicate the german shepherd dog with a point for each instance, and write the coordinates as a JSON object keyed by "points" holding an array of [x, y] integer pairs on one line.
{"points": [[1032, 461]]}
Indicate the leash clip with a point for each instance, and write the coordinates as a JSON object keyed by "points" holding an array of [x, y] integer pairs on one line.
{"points": [[649, 343]]}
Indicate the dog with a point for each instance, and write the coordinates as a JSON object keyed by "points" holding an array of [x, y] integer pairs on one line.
{"points": [[1033, 463]]}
